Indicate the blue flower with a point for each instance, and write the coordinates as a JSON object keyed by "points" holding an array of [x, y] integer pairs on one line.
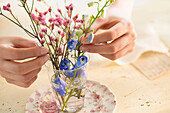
{"points": [[65, 64], [72, 44], [60, 86], [90, 38], [82, 60], [76, 73]]}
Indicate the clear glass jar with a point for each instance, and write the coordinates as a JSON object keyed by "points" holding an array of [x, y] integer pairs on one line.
{"points": [[69, 87]]}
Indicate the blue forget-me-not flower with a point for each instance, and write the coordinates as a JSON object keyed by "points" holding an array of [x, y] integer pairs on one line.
{"points": [[72, 44], [82, 60], [65, 64], [60, 86]]}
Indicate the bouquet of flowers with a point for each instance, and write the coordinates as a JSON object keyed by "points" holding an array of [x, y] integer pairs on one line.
{"points": [[60, 32]]}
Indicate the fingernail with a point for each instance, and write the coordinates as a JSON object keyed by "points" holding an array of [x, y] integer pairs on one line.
{"points": [[46, 57], [44, 50], [84, 49], [90, 38]]}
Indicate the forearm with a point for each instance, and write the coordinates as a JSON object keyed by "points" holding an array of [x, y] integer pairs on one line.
{"points": [[121, 8]]}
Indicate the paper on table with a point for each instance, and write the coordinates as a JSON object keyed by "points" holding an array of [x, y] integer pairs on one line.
{"points": [[153, 64]]}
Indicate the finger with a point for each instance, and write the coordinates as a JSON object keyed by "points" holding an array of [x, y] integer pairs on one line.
{"points": [[22, 42], [21, 53], [98, 23], [20, 78], [110, 48], [22, 84], [24, 67], [111, 34], [121, 53]]}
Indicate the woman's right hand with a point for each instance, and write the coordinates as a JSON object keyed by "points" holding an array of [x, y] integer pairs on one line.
{"points": [[13, 49]]}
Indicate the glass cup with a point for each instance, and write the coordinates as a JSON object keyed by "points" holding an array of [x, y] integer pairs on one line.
{"points": [[68, 87]]}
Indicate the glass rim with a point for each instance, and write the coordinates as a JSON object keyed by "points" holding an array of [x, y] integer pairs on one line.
{"points": [[69, 69]]}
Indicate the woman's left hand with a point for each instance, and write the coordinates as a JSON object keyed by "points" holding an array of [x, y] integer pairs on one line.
{"points": [[116, 40]]}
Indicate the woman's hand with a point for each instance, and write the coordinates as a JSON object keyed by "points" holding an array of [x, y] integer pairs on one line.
{"points": [[117, 39], [13, 49], [118, 36]]}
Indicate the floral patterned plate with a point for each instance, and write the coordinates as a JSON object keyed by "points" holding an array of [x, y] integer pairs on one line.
{"points": [[99, 99]]}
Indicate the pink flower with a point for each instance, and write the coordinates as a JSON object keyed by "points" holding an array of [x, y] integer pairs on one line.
{"points": [[67, 7], [62, 34], [56, 23], [52, 26], [53, 38], [81, 21], [49, 107], [59, 32], [71, 6], [41, 35], [75, 17], [57, 15], [44, 30], [78, 26], [43, 23], [51, 19], [42, 41], [49, 43], [39, 0], [7, 7], [59, 20], [69, 13], [59, 51], [49, 9], [36, 10], [66, 22], [45, 13], [33, 16], [41, 14], [59, 10], [41, 19]]}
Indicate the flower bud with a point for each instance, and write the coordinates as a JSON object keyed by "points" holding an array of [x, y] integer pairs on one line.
{"points": [[59, 10], [50, 9], [41, 35], [62, 34], [75, 17], [44, 30], [42, 41]]}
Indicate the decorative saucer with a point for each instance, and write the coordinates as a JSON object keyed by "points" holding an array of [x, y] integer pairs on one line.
{"points": [[98, 99]]}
